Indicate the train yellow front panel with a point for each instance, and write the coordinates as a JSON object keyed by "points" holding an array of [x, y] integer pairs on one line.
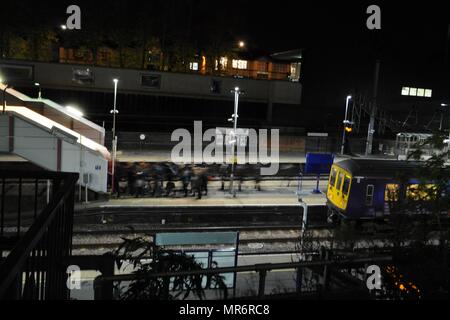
{"points": [[337, 193]]}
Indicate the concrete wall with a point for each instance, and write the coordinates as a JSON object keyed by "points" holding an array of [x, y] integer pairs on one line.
{"points": [[54, 75]]}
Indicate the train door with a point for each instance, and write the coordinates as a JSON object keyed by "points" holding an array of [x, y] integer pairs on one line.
{"points": [[340, 201]]}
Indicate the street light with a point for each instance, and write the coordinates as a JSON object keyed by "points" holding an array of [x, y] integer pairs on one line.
{"points": [[63, 27], [233, 142], [37, 84], [241, 44], [346, 122], [114, 140], [4, 95]]}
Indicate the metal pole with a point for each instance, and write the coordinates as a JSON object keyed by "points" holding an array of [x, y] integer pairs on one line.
{"points": [[235, 118], [4, 98], [371, 129], [345, 123], [114, 138]]}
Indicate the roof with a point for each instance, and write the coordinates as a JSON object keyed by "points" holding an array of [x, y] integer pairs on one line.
{"points": [[54, 106], [379, 168], [290, 56], [47, 123]]}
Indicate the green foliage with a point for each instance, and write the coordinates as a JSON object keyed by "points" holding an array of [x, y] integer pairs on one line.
{"points": [[148, 260]]}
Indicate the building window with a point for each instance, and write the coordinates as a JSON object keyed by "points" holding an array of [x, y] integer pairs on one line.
{"points": [[151, 81], [262, 66], [83, 76], [279, 68], [193, 66], [369, 194], [240, 64], [223, 63], [417, 92], [295, 71]]}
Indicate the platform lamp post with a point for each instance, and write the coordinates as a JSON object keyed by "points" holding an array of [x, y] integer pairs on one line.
{"points": [[114, 137], [37, 84], [346, 122], [237, 92], [7, 86], [443, 105]]}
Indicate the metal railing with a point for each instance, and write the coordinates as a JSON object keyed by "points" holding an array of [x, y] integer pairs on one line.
{"points": [[35, 243], [327, 269]]}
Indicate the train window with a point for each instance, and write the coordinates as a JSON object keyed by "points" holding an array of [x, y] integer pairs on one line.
{"points": [[417, 192], [369, 194], [339, 181], [391, 192], [346, 186], [333, 177]]}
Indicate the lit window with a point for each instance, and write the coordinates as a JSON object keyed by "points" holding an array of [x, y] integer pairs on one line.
{"points": [[417, 192], [416, 92], [240, 64], [193, 66], [224, 62], [420, 92], [391, 192]]}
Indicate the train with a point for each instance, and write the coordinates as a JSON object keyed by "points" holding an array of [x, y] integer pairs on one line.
{"points": [[362, 189]]}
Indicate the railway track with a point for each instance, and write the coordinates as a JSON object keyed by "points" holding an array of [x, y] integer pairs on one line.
{"points": [[208, 216], [260, 236]]}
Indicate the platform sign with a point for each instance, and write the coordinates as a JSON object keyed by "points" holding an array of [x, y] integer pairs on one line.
{"points": [[225, 135], [318, 163], [222, 249]]}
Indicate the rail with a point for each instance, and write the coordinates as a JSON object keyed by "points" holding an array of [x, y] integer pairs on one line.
{"points": [[103, 285]]}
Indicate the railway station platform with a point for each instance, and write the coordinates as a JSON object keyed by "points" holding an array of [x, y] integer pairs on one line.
{"points": [[287, 197]]}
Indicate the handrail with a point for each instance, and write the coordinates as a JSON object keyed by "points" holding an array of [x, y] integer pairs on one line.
{"points": [[13, 263], [262, 269]]}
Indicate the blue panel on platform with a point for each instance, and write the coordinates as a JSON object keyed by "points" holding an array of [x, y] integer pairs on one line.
{"points": [[319, 163]]}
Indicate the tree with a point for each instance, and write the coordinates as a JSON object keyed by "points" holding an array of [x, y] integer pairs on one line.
{"points": [[421, 239], [148, 259]]}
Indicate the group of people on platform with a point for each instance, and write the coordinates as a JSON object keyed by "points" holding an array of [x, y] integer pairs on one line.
{"points": [[171, 180]]}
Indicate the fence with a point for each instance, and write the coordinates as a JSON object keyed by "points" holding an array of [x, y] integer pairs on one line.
{"points": [[329, 270], [151, 141], [36, 220]]}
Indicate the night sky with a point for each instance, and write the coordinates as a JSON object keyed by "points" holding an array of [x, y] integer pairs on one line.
{"points": [[339, 51]]}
